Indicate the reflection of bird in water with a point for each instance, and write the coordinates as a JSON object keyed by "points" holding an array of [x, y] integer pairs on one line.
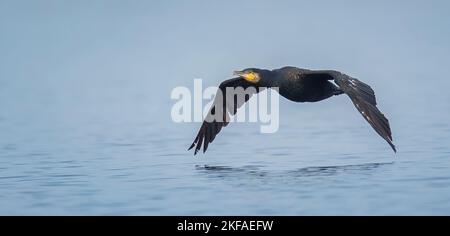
{"points": [[295, 84], [312, 171]]}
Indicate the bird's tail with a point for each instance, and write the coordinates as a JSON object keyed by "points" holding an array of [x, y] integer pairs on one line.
{"points": [[363, 97]]}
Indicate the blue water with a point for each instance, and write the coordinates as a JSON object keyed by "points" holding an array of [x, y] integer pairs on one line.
{"points": [[317, 165], [85, 124]]}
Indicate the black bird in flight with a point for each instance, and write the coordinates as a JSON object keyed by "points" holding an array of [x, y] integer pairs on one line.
{"points": [[295, 84]]}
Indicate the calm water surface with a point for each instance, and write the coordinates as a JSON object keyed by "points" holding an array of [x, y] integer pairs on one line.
{"points": [[319, 166]]}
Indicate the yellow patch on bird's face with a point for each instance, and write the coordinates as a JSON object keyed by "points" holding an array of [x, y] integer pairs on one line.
{"points": [[251, 77]]}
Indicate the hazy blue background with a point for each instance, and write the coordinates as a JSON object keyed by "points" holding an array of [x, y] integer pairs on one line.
{"points": [[85, 104]]}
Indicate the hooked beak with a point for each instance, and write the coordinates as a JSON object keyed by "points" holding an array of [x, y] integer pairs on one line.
{"points": [[239, 73]]}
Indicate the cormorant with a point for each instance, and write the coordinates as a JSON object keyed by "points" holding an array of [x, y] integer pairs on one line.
{"points": [[298, 85]]}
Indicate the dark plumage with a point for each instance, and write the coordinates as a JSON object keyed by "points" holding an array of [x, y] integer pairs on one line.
{"points": [[295, 84]]}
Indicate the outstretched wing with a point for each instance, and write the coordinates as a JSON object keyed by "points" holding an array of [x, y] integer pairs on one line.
{"points": [[363, 97], [223, 106]]}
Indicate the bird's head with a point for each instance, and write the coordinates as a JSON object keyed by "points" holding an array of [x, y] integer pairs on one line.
{"points": [[252, 75]]}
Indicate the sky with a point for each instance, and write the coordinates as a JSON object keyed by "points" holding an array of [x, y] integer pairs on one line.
{"points": [[85, 54]]}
